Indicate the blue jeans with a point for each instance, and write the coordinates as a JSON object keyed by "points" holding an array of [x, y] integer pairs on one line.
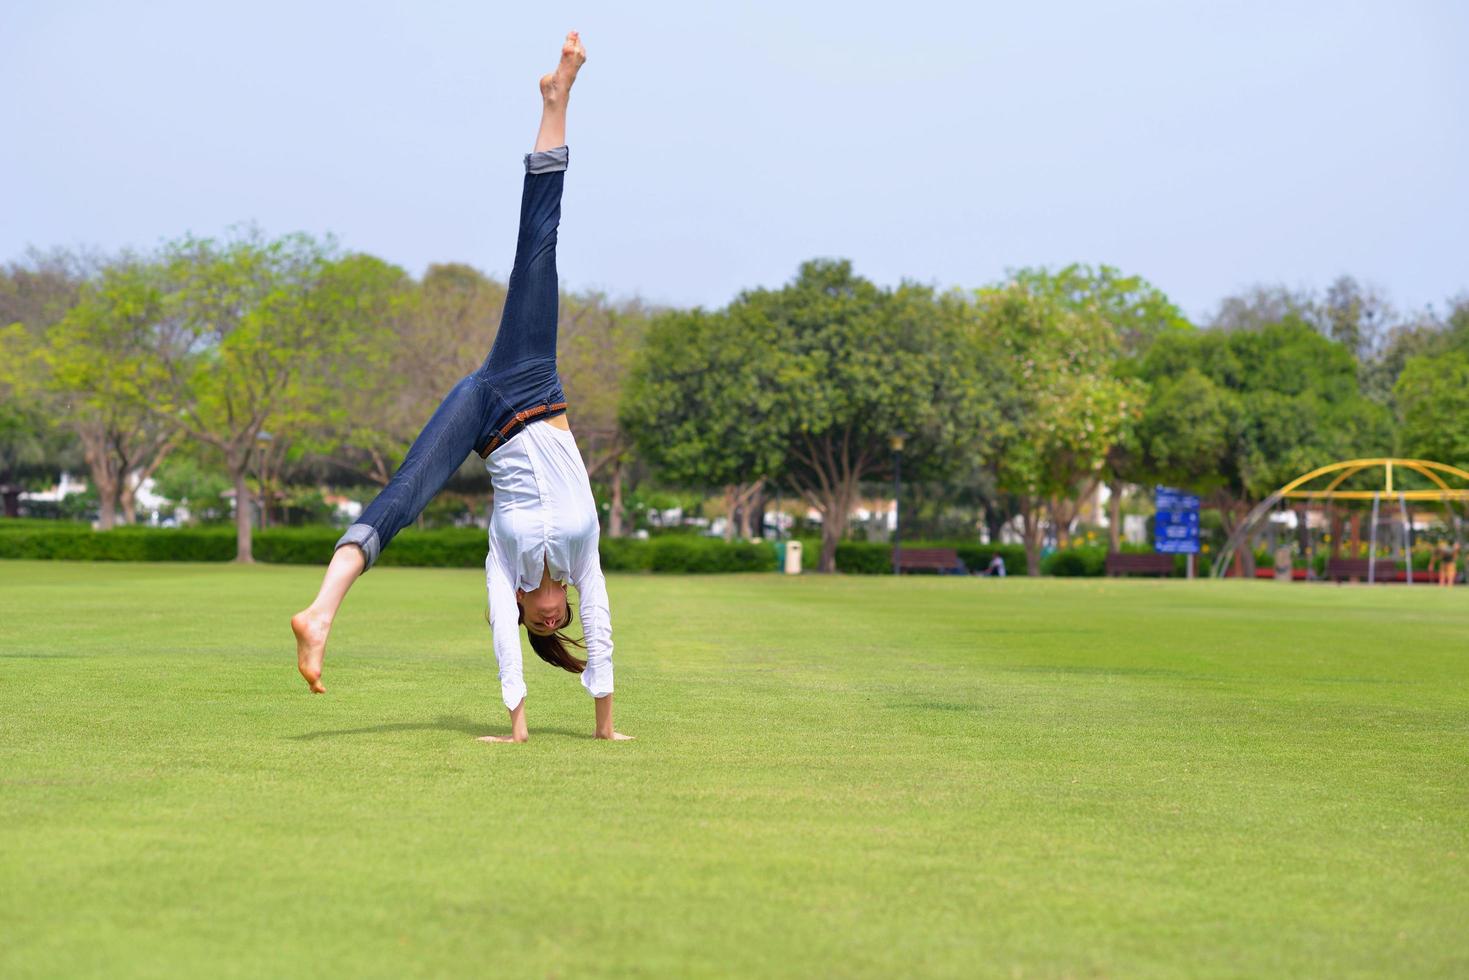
{"points": [[516, 383]]}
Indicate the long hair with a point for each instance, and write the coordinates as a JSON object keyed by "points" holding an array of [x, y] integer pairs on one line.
{"points": [[552, 648]]}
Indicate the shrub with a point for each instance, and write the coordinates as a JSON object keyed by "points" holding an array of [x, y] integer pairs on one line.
{"points": [[1075, 562], [449, 547], [624, 554], [295, 545], [702, 555], [859, 557]]}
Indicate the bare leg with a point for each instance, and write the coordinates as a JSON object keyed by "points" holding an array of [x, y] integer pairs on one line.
{"points": [[556, 90], [312, 624]]}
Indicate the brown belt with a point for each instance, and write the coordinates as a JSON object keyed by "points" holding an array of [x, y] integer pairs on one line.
{"points": [[515, 423]]}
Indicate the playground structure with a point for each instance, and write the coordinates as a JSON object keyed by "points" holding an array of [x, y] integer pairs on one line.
{"points": [[1339, 502]]}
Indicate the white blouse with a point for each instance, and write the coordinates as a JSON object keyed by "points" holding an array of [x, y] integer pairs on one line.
{"points": [[544, 516]]}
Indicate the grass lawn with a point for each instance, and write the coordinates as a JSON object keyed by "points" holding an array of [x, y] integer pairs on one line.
{"points": [[833, 776]]}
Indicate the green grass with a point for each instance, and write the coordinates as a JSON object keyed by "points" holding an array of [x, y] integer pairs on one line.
{"points": [[832, 777]]}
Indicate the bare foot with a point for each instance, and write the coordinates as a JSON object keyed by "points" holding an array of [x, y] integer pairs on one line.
{"points": [[502, 738], [310, 648], [617, 737], [556, 86]]}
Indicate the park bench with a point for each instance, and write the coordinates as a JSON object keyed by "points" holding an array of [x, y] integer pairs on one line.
{"points": [[1266, 572], [1127, 563], [945, 561], [1341, 569]]}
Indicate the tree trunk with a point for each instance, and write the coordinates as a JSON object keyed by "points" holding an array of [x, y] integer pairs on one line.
{"points": [[106, 485], [1247, 552], [243, 550], [146, 458], [1061, 512], [614, 517], [127, 499], [105, 477], [1114, 516], [731, 503], [106, 509], [835, 508], [832, 529], [1030, 520], [746, 497]]}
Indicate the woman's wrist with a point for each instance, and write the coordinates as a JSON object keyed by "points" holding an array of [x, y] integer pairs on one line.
{"points": [[604, 716]]}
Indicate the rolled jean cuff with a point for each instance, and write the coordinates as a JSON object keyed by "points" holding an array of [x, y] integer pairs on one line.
{"points": [[547, 161], [365, 537]]}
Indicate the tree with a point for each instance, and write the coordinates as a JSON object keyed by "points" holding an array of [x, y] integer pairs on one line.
{"points": [[857, 364], [430, 335], [1061, 408], [1138, 313], [195, 483], [86, 367], [1403, 341], [598, 343], [701, 402], [1287, 399], [1357, 317], [362, 302], [1433, 404], [95, 360], [260, 336], [35, 293], [807, 384], [1260, 306]]}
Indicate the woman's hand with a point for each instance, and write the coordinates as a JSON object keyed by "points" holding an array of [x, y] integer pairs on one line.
{"points": [[604, 721], [518, 730]]}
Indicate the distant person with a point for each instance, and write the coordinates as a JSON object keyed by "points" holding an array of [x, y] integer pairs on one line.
{"points": [[544, 529], [996, 566], [1446, 557]]}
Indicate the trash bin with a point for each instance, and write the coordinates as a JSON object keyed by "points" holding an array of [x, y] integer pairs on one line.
{"points": [[793, 558]]}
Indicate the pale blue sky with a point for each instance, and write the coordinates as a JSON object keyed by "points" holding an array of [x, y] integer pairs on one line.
{"points": [[1206, 146]]}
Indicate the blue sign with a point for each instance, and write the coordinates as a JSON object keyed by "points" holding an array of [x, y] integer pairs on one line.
{"points": [[1176, 523]]}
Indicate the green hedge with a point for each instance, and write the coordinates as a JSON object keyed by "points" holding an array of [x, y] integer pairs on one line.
{"points": [[464, 547], [876, 558], [124, 544], [458, 547], [689, 554], [1075, 562], [41, 523]]}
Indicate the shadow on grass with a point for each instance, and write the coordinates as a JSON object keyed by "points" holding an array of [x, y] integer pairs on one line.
{"points": [[444, 723]]}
